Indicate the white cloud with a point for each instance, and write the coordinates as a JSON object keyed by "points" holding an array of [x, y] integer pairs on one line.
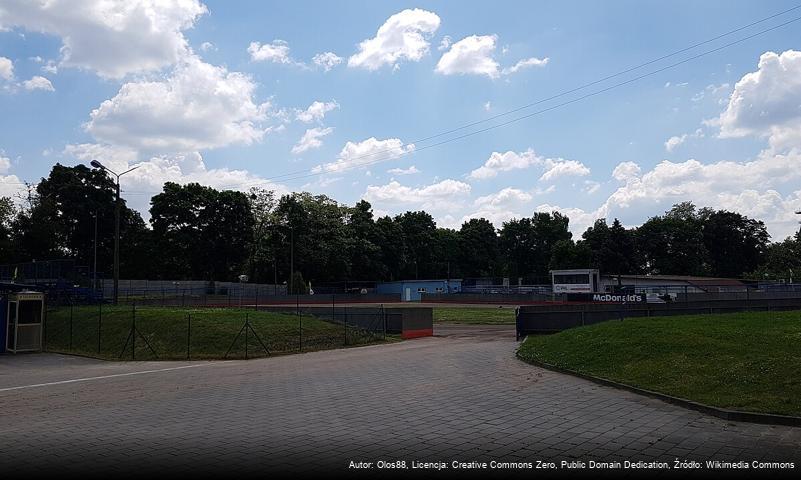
{"points": [[488, 106], [591, 186], [148, 180], [404, 36], [199, 106], [445, 43], [366, 152], [751, 188], [470, 55], [474, 55], [563, 168], [316, 111], [311, 140], [38, 83], [504, 198], [275, 52], [767, 102], [527, 63], [504, 162], [677, 140], [110, 38], [440, 196], [400, 171], [6, 68], [10, 185], [207, 46], [327, 60]]}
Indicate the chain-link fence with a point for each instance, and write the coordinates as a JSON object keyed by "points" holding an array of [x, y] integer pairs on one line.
{"points": [[161, 332]]}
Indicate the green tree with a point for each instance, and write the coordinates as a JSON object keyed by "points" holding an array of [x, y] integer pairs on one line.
{"points": [[673, 244], [419, 233], [201, 232], [479, 252], [735, 243], [527, 244], [612, 249]]}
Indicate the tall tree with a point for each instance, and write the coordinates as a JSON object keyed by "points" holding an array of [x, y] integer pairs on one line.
{"points": [[735, 243], [527, 244], [419, 232], [612, 249], [201, 232], [673, 244], [478, 248], [364, 253]]}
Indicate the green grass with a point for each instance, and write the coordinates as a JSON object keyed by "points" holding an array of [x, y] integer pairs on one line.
{"points": [[475, 315], [741, 361], [212, 332]]}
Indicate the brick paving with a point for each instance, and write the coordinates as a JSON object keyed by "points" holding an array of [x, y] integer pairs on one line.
{"points": [[460, 396]]}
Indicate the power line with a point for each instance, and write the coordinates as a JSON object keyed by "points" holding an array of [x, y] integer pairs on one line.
{"points": [[543, 100], [538, 112], [301, 174]]}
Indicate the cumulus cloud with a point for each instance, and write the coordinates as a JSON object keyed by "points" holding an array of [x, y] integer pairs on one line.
{"points": [[112, 39], [527, 63], [275, 52], [404, 36], [470, 55], [562, 168], [327, 60], [504, 162], [10, 185], [147, 180], [199, 106], [6, 68], [677, 140], [474, 55], [441, 196], [404, 171], [311, 140], [354, 154], [316, 111], [38, 83], [767, 102], [751, 188]]}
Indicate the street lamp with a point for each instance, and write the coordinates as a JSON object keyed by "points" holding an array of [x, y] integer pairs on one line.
{"points": [[117, 208]]}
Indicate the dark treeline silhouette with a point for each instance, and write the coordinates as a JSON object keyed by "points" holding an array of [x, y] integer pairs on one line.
{"points": [[197, 232]]}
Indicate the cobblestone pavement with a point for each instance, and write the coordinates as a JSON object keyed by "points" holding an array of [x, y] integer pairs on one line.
{"points": [[459, 396]]}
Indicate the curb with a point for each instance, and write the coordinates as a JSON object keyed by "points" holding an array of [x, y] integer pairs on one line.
{"points": [[725, 414]]}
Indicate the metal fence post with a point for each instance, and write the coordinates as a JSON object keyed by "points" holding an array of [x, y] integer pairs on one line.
{"points": [[99, 325], [247, 327], [70, 341], [384, 322], [133, 331], [300, 322], [188, 333], [345, 316]]}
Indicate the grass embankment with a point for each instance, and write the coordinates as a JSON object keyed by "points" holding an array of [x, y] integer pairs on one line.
{"points": [[740, 361], [475, 315], [210, 332]]}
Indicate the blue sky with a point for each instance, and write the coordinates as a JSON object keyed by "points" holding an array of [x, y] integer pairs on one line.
{"points": [[229, 95]]}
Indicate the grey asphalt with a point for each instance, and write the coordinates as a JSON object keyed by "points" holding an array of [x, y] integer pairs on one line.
{"points": [[461, 395]]}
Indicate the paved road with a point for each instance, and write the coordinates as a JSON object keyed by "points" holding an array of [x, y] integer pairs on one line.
{"points": [[461, 395]]}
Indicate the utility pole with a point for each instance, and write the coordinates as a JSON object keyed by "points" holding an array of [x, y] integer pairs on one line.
{"points": [[117, 212], [94, 277]]}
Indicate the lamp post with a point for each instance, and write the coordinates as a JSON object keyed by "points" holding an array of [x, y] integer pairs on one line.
{"points": [[117, 208]]}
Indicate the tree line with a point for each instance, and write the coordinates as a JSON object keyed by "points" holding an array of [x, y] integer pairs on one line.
{"points": [[198, 232]]}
